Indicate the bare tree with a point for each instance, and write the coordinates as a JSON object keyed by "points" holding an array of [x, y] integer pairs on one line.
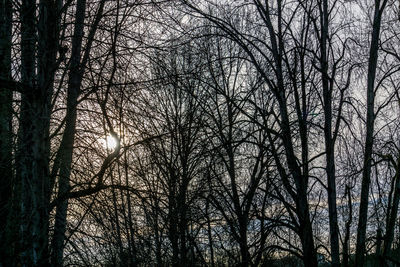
{"points": [[379, 8], [269, 56], [233, 134]]}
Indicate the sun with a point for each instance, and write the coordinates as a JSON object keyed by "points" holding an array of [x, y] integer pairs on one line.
{"points": [[110, 142]]}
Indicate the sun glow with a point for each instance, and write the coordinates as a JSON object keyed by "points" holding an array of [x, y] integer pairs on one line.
{"points": [[110, 142]]}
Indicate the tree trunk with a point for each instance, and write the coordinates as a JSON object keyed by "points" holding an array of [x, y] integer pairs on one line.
{"points": [[64, 156], [28, 222], [300, 179], [173, 222], [6, 131], [305, 231], [369, 139], [378, 250], [392, 213], [329, 141], [301, 182], [183, 229], [130, 228], [32, 159], [244, 249], [346, 242], [209, 232], [48, 38]]}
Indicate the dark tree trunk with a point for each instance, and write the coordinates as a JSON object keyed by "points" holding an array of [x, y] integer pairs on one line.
{"points": [[244, 248], [64, 156], [48, 37], [173, 224], [6, 131], [63, 160], [392, 213], [346, 242], [210, 236], [305, 230], [369, 139], [300, 179], [183, 226], [32, 161], [329, 140], [27, 224]]}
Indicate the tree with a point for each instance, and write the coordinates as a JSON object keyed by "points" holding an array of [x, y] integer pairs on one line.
{"points": [[379, 7], [238, 148], [28, 217], [175, 117], [6, 108], [269, 57], [63, 161], [202, 132]]}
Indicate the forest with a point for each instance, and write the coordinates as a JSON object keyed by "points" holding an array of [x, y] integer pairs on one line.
{"points": [[199, 133]]}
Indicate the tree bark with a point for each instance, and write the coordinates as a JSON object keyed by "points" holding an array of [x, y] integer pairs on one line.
{"points": [[209, 234], [31, 161], [48, 44], [6, 130], [64, 156], [329, 140], [28, 222], [346, 242], [392, 213], [369, 139]]}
